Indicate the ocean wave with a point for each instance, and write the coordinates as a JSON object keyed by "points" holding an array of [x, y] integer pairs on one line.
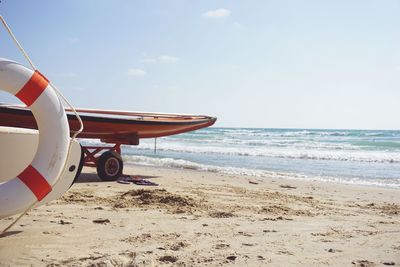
{"points": [[275, 149], [276, 152], [288, 133], [185, 164], [301, 133], [278, 142]]}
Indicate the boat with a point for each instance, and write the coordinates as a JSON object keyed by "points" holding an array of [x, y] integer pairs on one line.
{"points": [[111, 127]]}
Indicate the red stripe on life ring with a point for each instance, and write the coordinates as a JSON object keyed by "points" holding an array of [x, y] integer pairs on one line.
{"points": [[33, 88], [35, 182]]}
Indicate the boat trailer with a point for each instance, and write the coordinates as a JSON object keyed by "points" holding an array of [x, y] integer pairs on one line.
{"points": [[106, 159]]}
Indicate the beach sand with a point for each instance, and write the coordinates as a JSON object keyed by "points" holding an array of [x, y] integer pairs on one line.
{"points": [[198, 218]]}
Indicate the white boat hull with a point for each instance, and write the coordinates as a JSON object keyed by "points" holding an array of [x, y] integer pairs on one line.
{"points": [[18, 148]]}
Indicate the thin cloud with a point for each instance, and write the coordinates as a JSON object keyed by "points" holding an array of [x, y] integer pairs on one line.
{"points": [[161, 59], [238, 25], [136, 72], [149, 60], [217, 13], [167, 58], [74, 40]]}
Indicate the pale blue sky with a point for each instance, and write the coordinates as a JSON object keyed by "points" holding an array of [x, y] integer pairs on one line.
{"points": [[289, 64]]}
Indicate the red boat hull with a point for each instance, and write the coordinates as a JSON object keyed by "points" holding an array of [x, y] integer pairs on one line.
{"points": [[114, 126]]}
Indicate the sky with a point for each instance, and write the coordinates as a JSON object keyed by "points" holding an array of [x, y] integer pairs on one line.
{"points": [[274, 64]]}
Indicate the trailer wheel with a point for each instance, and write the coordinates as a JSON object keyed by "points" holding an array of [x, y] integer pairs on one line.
{"points": [[109, 166]]}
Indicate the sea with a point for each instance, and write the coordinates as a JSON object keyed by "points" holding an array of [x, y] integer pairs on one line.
{"points": [[363, 157]]}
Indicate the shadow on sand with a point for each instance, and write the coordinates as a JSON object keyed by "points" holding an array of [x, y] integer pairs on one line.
{"points": [[8, 233], [93, 178]]}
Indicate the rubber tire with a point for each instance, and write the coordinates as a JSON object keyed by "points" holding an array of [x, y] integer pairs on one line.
{"points": [[101, 162]]}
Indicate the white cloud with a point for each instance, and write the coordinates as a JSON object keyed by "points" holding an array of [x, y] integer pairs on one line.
{"points": [[217, 13], [136, 72], [167, 58], [162, 59]]}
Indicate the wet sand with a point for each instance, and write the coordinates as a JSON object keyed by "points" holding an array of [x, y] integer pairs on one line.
{"points": [[198, 218]]}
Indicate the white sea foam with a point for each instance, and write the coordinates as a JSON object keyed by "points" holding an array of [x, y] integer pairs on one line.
{"points": [[338, 153], [184, 164], [370, 157]]}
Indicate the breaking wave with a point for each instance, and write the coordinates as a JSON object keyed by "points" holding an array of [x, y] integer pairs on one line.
{"points": [[286, 152], [185, 164]]}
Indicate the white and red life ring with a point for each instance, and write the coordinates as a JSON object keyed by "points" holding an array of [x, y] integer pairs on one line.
{"points": [[37, 180]]}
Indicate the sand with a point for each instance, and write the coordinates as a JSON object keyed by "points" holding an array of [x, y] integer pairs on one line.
{"points": [[198, 218]]}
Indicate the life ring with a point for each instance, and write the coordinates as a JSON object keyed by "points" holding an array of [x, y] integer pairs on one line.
{"points": [[36, 180]]}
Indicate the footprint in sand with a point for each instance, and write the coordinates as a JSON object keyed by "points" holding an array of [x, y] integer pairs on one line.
{"points": [[221, 246], [101, 221], [168, 258], [362, 263]]}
